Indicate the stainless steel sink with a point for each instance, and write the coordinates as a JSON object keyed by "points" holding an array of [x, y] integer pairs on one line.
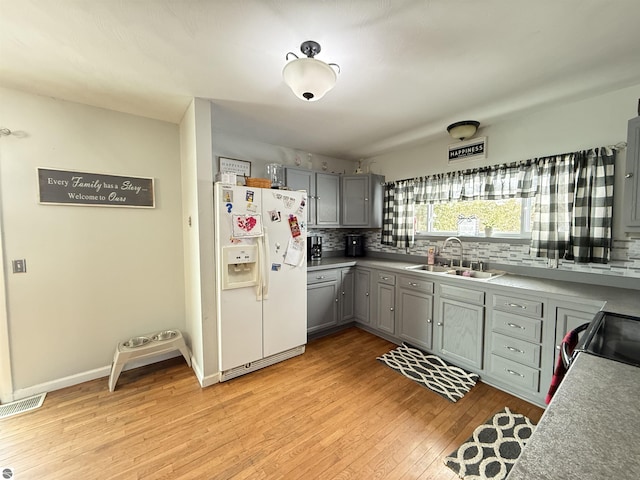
{"points": [[458, 271], [476, 274], [430, 268]]}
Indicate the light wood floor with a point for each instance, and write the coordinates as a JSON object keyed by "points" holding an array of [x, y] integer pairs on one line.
{"points": [[332, 413]]}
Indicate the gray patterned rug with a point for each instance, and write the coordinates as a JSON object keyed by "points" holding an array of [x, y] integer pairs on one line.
{"points": [[493, 448], [430, 371]]}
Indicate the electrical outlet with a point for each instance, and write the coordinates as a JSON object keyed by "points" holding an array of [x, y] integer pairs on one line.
{"points": [[19, 266]]}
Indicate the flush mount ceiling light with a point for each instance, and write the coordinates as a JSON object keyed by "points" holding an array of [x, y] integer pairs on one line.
{"points": [[464, 129], [308, 78]]}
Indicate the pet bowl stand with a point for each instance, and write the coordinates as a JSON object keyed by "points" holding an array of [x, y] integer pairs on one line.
{"points": [[126, 354]]}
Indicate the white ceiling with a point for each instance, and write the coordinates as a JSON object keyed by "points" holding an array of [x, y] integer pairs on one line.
{"points": [[409, 68]]}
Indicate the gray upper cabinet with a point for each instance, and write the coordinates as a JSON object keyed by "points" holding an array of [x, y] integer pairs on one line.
{"points": [[300, 179], [323, 190], [362, 197], [632, 178], [327, 199]]}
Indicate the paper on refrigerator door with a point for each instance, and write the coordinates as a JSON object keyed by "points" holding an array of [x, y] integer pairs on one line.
{"points": [[247, 225], [295, 252]]}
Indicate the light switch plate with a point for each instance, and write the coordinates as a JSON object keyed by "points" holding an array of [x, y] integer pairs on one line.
{"points": [[19, 266]]}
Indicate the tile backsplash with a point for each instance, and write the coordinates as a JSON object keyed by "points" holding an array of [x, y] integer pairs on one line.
{"points": [[625, 254]]}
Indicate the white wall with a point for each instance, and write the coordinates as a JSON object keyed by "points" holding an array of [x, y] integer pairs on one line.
{"points": [[596, 121], [259, 153], [197, 185], [95, 275]]}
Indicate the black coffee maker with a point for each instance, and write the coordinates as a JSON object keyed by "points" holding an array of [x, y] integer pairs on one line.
{"points": [[354, 246], [314, 247]]}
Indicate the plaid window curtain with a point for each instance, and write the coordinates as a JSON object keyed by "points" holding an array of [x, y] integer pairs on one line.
{"points": [[398, 227], [490, 183], [553, 207], [591, 235]]}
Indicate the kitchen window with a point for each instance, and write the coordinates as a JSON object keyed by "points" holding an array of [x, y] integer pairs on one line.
{"points": [[510, 218], [568, 196]]}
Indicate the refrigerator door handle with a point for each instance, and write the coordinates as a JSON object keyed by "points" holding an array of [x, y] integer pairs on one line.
{"points": [[267, 261], [260, 269]]}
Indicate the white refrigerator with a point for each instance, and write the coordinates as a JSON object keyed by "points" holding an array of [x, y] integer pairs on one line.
{"points": [[261, 277]]}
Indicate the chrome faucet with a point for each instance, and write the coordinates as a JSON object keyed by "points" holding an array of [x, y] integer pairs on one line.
{"points": [[453, 239]]}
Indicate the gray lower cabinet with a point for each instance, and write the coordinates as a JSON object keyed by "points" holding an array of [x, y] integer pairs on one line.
{"points": [[330, 298], [385, 318], [515, 344], [322, 300], [414, 298], [362, 297], [347, 294], [570, 316], [460, 326]]}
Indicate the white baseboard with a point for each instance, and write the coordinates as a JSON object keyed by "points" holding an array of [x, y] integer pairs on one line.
{"points": [[204, 381], [91, 375]]}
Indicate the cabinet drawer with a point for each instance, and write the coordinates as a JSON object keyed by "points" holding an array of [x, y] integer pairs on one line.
{"points": [[515, 373], [415, 284], [320, 276], [464, 294], [517, 326], [518, 350], [387, 278], [519, 306]]}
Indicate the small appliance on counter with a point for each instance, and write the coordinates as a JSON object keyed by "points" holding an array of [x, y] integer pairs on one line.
{"points": [[314, 247], [354, 246]]}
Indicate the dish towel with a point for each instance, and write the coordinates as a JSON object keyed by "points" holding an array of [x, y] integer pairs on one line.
{"points": [[571, 340]]}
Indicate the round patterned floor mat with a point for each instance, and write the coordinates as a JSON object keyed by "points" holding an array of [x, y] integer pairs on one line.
{"points": [[493, 448]]}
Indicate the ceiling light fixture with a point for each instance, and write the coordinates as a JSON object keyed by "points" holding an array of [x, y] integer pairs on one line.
{"points": [[463, 129], [308, 78]]}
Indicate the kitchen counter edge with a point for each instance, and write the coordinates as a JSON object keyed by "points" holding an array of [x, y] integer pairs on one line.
{"points": [[618, 300]]}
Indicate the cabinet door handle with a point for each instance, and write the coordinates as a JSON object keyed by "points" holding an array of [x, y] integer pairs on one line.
{"points": [[439, 324], [343, 293], [628, 175], [513, 325], [366, 199], [516, 305], [511, 349], [391, 309], [428, 320], [366, 294], [513, 372], [336, 300]]}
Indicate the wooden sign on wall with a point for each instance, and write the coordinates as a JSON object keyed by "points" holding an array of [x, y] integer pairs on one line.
{"points": [[66, 187]]}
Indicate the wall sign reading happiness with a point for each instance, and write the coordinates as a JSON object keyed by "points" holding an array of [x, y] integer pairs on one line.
{"points": [[65, 187]]}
